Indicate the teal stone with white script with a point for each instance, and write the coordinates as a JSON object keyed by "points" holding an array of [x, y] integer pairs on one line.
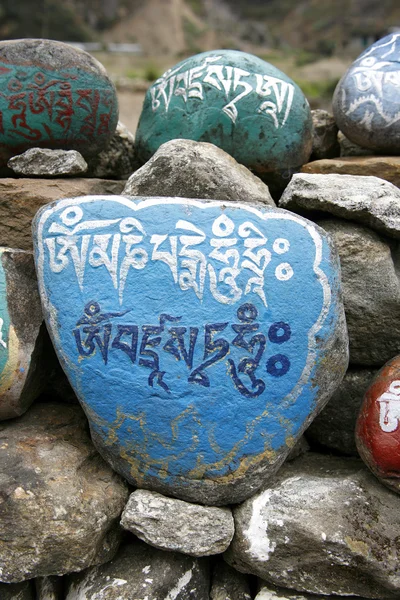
{"points": [[237, 102], [201, 337]]}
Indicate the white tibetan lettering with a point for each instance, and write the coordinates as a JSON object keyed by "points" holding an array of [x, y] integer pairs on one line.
{"points": [[389, 413]]}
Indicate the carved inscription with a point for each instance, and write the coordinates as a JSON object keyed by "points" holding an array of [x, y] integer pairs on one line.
{"points": [[389, 408]]}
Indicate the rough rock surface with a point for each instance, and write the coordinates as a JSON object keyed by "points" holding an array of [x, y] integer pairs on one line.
{"points": [[377, 431], [368, 200], [228, 584], [191, 169], [49, 588], [118, 160], [18, 591], [385, 167], [271, 592], [349, 148], [325, 132], [44, 162], [140, 572], [325, 525], [22, 198], [371, 291], [60, 501], [22, 334], [172, 524], [334, 427]]}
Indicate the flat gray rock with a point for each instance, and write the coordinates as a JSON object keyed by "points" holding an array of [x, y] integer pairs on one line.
{"points": [[140, 572], [61, 502], [44, 162], [334, 427], [191, 169], [325, 132], [172, 524], [229, 584], [371, 291], [325, 525], [368, 200]]}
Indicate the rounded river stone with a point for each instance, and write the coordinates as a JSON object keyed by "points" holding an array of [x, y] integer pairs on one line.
{"points": [[53, 96], [366, 100], [201, 337], [378, 425], [236, 101]]}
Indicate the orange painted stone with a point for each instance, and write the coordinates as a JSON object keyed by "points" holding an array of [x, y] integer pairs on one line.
{"points": [[378, 425]]}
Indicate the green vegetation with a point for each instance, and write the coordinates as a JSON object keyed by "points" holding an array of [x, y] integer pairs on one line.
{"points": [[314, 90]]}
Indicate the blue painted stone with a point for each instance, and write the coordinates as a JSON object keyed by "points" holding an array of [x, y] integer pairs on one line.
{"points": [[53, 96], [236, 101], [200, 336], [366, 103]]}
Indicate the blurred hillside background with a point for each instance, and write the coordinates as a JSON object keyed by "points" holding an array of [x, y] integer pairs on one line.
{"points": [[313, 41]]}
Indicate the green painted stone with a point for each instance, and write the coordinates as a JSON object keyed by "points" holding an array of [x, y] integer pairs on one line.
{"points": [[236, 101], [54, 96]]}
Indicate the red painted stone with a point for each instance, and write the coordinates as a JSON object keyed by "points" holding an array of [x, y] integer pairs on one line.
{"points": [[378, 425]]}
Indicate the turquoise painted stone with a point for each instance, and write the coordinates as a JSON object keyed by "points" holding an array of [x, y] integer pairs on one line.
{"points": [[53, 96], [200, 337], [236, 101], [366, 103]]}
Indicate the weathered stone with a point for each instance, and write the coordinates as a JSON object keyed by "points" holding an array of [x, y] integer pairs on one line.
{"points": [[17, 591], [334, 427], [45, 162], [81, 111], [378, 432], [271, 592], [325, 135], [165, 341], [22, 198], [236, 101], [324, 526], [60, 501], [228, 584], [139, 572], [371, 291], [366, 99], [22, 376], [300, 448], [349, 148], [118, 160], [171, 524], [49, 588], [191, 169], [385, 167], [367, 200]]}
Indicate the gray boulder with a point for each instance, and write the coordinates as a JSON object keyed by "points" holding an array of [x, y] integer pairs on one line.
{"points": [[22, 334], [228, 584], [368, 200], [17, 591], [60, 501], [44, 162], [325, 132], [334, 427], [118, 160], [49, 588], [324, 526], [371, 291], [189, 169], [349, 148], [140, 572], [172, 524], [271, 592]]}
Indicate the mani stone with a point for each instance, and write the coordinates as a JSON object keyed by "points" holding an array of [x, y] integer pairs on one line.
{"points": [[334, 427], [378, 432], [56, 96], [228, 584], [171, 524], [385, 167], [366, 99], [21, 334], [140, 572], [368, 200], [44, 162], [371, 291], [60, 501], [325, 135], [22, 198], [191, 169], [236, 101], [324, 525], [172, 316]]}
